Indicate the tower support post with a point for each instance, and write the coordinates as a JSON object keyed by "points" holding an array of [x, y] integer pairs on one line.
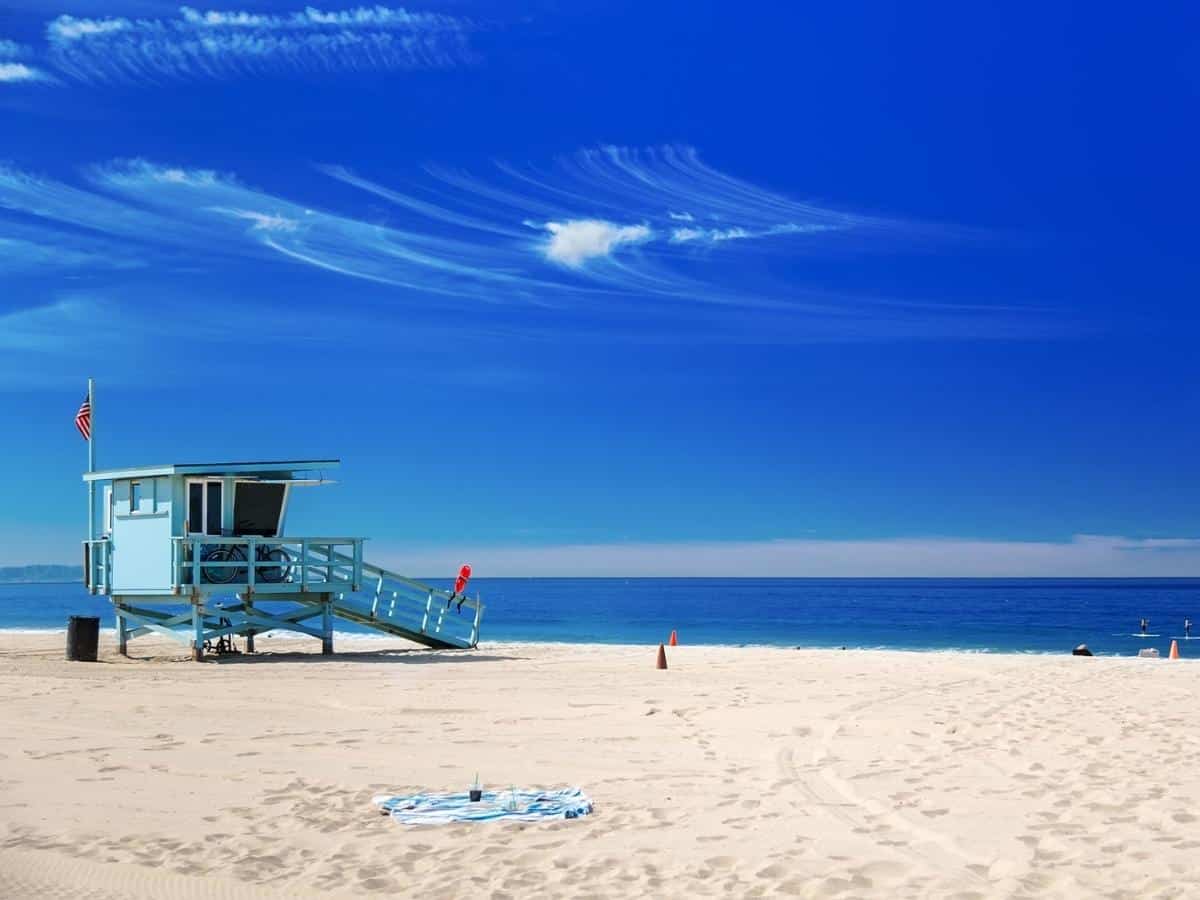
{"points": [[197, 630], [248, 603], [326, 625], [122, 629]]}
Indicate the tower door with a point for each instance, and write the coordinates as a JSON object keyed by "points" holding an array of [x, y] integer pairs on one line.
{"points": [[204, 506]]}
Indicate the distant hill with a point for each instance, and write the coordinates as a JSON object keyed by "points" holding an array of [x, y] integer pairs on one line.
{"points": [[31, 574]]}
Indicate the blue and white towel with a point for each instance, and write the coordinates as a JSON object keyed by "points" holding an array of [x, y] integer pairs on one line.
{"points": [[508, 805]]}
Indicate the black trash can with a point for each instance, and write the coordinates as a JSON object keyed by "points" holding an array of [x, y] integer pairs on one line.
{"points": [[83, 638]]}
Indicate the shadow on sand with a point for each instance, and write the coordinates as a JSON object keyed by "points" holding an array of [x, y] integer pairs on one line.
{"points": [[416, 656]]}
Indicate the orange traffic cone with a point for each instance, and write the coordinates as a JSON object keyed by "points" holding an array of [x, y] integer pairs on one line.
{"points": [[674, 641], [661, 662], [1174, 649]]}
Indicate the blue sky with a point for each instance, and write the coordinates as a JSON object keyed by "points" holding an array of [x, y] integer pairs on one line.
{"points": [[618, 288]]}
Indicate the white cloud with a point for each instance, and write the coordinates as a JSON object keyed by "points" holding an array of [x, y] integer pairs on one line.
{"points": [[1089, 556], [14, 71], [140, 168], [362, 16], [716, 235], [266, 221], [459, 236], [11, 49], [223, 44], [679, 235], [69, 28], [578, 240]]}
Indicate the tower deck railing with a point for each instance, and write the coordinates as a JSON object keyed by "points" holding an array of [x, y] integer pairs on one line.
{"points": [[97, 565], [281, 565]]}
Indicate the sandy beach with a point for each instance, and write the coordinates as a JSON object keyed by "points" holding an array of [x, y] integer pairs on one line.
{"points": [[737, 772]]}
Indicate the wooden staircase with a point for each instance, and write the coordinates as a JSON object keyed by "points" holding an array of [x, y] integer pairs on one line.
{"points": [[401, 606]]}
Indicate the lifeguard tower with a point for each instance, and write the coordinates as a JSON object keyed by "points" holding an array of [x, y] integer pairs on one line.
{"points": [[199, 552]]}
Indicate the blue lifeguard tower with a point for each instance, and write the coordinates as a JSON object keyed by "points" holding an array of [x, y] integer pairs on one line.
{"points": [[200, 552]]}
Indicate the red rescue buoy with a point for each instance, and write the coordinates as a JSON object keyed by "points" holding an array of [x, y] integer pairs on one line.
{"points": [[460, 583]]}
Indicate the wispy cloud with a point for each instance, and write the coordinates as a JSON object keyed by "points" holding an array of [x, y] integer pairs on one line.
{"points": [[214, 44], [1090, 556], [420, 258], [16, 71], [12, 50], [13, 69], [48, 326], [21, 255], [85, 210], [599, 236]]}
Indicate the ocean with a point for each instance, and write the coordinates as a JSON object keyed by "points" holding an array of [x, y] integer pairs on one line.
{"points": [[985, 615]]}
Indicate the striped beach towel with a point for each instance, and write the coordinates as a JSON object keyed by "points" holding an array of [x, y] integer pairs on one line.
{"points": [[513, 805]]}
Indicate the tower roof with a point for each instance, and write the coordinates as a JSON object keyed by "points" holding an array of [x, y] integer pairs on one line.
{"points": [[285, 470]]}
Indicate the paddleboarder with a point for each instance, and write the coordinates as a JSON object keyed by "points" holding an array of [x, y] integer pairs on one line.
{"points": [[1145, 624]]}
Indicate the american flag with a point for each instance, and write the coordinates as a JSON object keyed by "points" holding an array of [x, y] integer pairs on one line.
{"points": [[83, 419]]}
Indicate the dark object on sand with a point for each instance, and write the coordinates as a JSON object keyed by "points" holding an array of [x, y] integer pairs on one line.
{"points": [[476, 794], [83, 638], [1081, 650]]}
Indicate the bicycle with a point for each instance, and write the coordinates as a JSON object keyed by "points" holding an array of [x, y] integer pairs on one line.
{"points": [[235, 553]]}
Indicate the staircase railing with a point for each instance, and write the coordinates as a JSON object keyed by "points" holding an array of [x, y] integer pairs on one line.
{"points": [[407, 605]]}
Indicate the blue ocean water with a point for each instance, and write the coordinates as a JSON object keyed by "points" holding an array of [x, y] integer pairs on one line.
{"points": [[1005, 615]]}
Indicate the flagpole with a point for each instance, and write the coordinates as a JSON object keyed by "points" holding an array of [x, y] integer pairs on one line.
{"points": [[91, 460]]}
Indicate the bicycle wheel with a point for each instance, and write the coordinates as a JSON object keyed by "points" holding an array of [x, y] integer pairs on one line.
{"points": [[275, 574], [224, 574]]}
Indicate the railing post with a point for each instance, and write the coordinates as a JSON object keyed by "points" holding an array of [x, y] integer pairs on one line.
{"points": [[358, 554], [195, 562], [252, 558], [428, 608], [475, 624], [378, 591], [304, 565], [329, 563]]}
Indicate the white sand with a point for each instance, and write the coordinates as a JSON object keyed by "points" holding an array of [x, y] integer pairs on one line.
{"points": [[738, 772]]}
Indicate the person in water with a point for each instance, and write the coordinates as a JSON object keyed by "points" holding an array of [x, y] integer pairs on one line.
{"points": [[1187, 628], [1145, 624]]}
